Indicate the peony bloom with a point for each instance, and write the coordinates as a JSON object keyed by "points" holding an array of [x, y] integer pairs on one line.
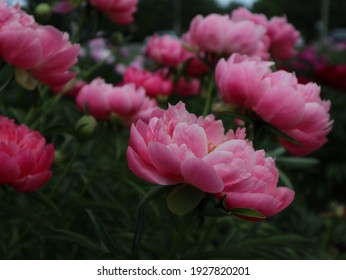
{"points": [[312, 129], [278, 99], [177, 147], [165, 50], [103, 99], [220, 35], [240, 79], [281, 36], [119, 11], [257, 188], [25, 157], [155, 84], [41, 51]]}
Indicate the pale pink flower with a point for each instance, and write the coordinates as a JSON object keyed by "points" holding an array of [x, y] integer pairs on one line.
{"points": [[187, 86], [220, 35], [314, 125], [42, 51], [165, 50], [278, 99], [102, 100], [250, 179], [155, 83], [25, 157], [119, 11], [281, 36], [240, 79], [177, 147]]}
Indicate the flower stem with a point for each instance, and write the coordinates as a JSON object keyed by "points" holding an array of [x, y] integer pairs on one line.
{"points": [[185, 221], [209, 95]]}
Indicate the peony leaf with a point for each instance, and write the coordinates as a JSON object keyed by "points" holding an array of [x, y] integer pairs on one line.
{"points": [[295, 162], [248, 212], [183, 199], [25, 79]]}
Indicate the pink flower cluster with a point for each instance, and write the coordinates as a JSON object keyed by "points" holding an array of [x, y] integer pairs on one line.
{"points": [[126, 102], [177, 147], [244, 33], [278, 99], [42, 51], [281, 36], [119, 11], [25, 158]]}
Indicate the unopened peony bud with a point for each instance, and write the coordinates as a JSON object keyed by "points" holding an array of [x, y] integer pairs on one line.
{"points": [[85, 127], [43, 12]]}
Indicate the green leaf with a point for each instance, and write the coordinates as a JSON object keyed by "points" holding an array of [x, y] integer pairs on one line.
{"points": [[285, 179], [282, 135], [46, 201], [25, 80], [297, 162], [247, 212], [76, 238], [105, 239], [183, 199]]}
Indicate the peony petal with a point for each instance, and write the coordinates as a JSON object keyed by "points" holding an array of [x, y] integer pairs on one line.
{"points": [[146, 171], [201, 175], [9, 169], [193, 136], [166, 162]]}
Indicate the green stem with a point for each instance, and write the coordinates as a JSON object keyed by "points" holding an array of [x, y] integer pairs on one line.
{"points": [[140, 218], [185, 221], [138, 233], [207, 235], [209, 95], [67, 169]]}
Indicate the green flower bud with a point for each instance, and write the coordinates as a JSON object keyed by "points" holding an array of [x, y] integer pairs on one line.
{"points": [[43, 12], [86, 127]]}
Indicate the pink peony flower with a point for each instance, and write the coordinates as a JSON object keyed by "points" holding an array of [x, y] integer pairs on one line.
{"points": [[177, 147], [313, 127], [103, 99], [165, 50], [187, 87], [119, 11], [278, 99], [155, 84], [281, 36], [220, 35], [42, 51], [240, 79], [25, 157], [257, 188]]}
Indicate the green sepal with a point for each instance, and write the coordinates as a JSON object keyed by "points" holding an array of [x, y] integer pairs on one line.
{"points": [[247, 212], [25, 79], [183, 199]]}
